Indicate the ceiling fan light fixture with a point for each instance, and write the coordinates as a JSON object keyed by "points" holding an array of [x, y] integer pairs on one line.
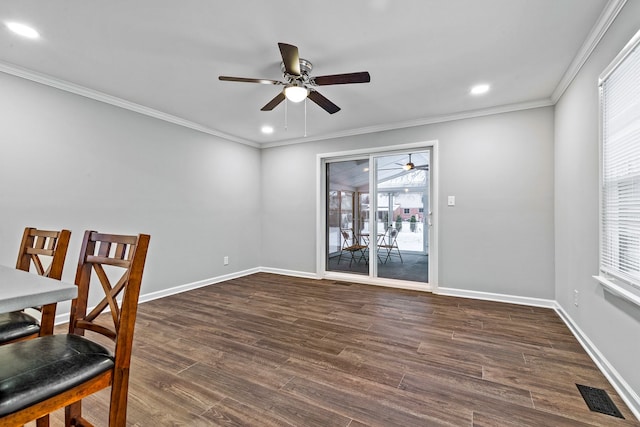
{"points": [[408, 166], [295, 93]]}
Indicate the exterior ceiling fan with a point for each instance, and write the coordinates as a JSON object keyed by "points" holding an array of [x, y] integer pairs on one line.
{"points": [[298, 84], [410, 166]]}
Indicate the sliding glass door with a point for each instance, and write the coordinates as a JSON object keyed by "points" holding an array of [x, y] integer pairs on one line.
{"points": [[402, 188], [377, 221], [347, 215]]}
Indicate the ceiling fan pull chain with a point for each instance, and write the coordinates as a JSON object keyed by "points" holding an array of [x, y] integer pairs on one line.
{"points": [[285, 114], [305, 117]]}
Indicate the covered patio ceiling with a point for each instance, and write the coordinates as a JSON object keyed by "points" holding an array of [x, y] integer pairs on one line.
{"points": [[354, 174]]}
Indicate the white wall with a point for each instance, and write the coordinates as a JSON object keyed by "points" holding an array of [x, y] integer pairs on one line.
{"points": [[71, 162], [499, 236], [612, 325]]}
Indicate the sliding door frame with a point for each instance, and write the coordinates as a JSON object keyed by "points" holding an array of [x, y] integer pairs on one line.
{"points": [[432, 219]]}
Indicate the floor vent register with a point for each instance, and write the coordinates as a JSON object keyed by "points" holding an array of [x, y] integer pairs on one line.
{"points": [[599, 401]]}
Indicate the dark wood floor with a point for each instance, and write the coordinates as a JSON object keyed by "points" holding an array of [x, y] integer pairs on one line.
{"points": [[269, 350]]}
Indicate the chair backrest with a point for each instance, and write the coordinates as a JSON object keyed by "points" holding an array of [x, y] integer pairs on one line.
{"points": [[110, 256], [349, 238], [43, 243]]}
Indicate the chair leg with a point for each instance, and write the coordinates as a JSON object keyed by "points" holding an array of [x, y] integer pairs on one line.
{"points": [[386, 255], [73, 414], [119, 397], [362, 256], [43, 422]]}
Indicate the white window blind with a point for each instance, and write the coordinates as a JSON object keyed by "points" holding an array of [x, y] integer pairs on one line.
{"points": [[620, 177]]}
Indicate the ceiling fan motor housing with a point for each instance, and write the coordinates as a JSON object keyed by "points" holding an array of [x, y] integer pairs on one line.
{"points": [[305, 69]]}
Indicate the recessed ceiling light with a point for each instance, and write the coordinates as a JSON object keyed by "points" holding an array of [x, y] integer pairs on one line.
{"points": [[480, 89], [23, 30], [267, 129]]}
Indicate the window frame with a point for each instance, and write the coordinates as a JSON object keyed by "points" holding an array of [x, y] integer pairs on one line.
{"points": [[613, 278]]}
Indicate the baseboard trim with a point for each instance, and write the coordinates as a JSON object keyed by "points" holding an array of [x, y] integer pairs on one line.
{"points": [[195, 285], [511, 299], [293, 273], [625, 391], [64, 317]]}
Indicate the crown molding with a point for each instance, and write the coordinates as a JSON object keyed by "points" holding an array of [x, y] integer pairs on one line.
{"points": [[608, 15], [66, 86], [419, 122]]}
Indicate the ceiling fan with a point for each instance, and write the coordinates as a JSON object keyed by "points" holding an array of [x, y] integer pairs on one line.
{"points": [[410, 166], [298, 84]]}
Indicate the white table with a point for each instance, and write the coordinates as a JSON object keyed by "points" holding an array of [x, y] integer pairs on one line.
{"points": [[19, 289]]}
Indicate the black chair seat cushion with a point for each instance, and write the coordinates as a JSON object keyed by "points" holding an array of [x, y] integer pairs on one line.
{"points": [[34, 370], [17, 325]]}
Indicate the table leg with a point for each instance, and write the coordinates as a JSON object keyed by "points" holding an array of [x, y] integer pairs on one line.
{"points": [[48, 319]]}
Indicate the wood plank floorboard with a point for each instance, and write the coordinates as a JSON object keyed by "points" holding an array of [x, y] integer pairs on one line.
{"points": [[269, 350]]}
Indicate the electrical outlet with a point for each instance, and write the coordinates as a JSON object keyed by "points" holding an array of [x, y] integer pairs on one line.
{"points": [[226, 260], [575, 297]]}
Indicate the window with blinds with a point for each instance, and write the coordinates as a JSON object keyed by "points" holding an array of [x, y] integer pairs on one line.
{"points": [[620, 175]]}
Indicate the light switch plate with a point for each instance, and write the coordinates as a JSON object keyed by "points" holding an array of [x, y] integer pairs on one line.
{"points": [[451, 201]]}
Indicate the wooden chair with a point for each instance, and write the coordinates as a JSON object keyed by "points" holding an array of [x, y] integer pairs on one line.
{"points": [[28, 387], [352, 246], [37, 247], [389, 245]]}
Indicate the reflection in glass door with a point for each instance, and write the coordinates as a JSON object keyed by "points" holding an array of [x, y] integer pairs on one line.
{"points": [[378, 222]]}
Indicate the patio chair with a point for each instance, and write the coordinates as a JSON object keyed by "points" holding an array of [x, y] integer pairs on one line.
{"points": [[351, 245], [39, 248], [387, 247]]}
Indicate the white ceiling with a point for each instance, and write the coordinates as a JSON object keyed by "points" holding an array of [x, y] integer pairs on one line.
{"points": [[163, 57]]}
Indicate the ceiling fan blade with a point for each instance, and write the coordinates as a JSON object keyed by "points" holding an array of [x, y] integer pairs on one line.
{"points": [[290, 58], [341, 79], [323, 102], [247, 80], [274, 102]]}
